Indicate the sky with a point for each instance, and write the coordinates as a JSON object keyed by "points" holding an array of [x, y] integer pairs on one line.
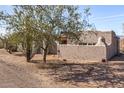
{"points": [[104, 17], [108, 18]]}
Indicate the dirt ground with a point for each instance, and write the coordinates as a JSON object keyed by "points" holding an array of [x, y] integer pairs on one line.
{"points": [[16, 72]]}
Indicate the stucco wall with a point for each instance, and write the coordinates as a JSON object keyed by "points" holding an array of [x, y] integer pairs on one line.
{"points": [[113, 48], [92, 36], [91, 53], [121, 43]]}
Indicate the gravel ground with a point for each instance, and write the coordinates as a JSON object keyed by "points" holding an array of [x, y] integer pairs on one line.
{"points": [[16, 72]]}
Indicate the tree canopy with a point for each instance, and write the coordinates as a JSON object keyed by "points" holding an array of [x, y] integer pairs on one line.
{"points": [[43, 25]]}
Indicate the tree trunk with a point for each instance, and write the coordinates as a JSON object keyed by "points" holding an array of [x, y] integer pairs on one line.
{"points": [[28, 52], [28, 55], [45, 48], [44, 55], [6, 45]]}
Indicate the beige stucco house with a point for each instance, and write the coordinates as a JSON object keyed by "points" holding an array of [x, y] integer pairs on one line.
{"points": [[93, 46], [121, 41]]}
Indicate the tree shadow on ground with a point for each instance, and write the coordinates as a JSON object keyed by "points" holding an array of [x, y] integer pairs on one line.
{"points": [[119, 57], [109, 74], [96, 73], [18, 54], [101, 74], [35, 61]]}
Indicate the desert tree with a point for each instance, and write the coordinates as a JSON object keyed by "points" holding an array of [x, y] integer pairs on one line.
{"points": [[52, 20], [2, 22], [43, 25], [22, 23]]}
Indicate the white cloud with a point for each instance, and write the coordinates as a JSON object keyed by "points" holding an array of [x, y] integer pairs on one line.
{"points": [[107, 17]]}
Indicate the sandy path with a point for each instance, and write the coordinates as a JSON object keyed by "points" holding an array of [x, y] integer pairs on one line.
{"points": [[12, 77], [16, 72]]}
